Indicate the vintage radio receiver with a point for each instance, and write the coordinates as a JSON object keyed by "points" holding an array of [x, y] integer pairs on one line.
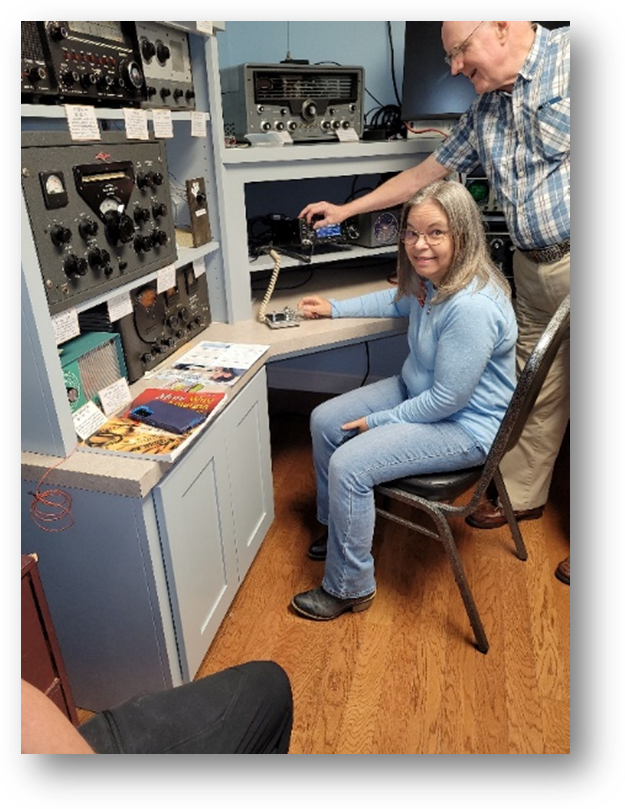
{"points": [[309, 102], [94, 62], [99, 212], [38, 81], [160, 323], [166, 66]]}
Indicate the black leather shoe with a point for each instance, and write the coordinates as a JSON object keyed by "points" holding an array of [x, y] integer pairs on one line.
{"points": [[321, 606], [319, 549]]}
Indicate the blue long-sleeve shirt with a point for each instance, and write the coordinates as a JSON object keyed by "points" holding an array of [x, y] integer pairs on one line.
{"points": [[461, 360]]}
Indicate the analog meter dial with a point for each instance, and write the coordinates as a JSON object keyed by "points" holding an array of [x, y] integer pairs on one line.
{"points": [[385, 228]]}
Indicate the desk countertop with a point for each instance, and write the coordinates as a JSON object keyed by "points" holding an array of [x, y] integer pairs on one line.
{"points": [[136, 477]]}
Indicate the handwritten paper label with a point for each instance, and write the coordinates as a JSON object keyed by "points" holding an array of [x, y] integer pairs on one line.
{"points": [[163, 126], [87, 419], [115, 397], [166, 278], [65, 325], [136, 123], [198, 124], [83, 125], [347, 135], [119, 306]]}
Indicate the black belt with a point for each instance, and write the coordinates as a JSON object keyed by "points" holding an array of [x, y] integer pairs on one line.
{"points": [[548, 254]]}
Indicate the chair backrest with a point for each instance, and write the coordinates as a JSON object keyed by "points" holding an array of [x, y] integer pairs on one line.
{"points": [[529, 384]]}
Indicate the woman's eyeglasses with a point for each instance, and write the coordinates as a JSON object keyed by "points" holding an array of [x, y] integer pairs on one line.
{"points": [[432, 238]]}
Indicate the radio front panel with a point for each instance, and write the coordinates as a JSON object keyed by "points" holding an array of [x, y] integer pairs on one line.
{"points": [[166, 64], [94, 62], [309, 102], [37, 78], [99, 213]]}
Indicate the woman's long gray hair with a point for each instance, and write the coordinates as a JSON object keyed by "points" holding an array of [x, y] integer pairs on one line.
{"points": [[471, 256]]}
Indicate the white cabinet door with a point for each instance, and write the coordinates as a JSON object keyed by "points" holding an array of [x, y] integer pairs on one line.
{"points": [[249, 464], [196, 531]]}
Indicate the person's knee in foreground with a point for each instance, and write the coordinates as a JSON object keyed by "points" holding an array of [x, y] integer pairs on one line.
{"points": [[443, 411], [243, 709], [513, 65]]}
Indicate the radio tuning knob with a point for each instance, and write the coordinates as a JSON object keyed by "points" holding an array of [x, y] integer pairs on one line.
{"points": [[159, 209], [148, 49], [143, 244], [75, 265], [60, 235], [189, 95], [178, 93], [141, 215], [36, 74], [159, 238], [162, 52], [57, 31], [165, 92], [87, 228], [119, 227]]}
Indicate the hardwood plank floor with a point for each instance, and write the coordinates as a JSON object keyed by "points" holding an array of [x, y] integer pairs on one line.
{"points": [[404, 677]]}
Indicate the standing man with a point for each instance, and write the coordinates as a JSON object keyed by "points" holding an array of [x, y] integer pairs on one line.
{"points": [[518, 130]]}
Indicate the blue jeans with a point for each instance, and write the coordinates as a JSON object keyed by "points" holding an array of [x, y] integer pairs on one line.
{"points": [[348, 470]]}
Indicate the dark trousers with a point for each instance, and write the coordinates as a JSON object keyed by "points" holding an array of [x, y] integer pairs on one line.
{"points": [[243, 709]]}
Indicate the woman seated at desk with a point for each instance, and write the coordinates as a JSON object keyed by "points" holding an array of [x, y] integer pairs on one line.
{"points": [[440, 414]]}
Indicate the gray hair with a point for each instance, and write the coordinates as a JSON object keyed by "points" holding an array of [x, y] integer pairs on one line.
{"points": [[471, 256]]}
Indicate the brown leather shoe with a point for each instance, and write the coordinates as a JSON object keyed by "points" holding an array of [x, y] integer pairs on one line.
{"points": [[563, 571], [489, 515]]}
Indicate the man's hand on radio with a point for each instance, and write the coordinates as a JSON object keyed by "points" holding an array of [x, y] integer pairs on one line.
{"points": [[328, 214], [313, 306]]}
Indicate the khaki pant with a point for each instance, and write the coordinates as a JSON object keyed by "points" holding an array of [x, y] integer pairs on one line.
{"points": [[528, 467]]}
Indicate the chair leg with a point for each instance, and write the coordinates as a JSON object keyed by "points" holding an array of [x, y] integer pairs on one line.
{"points": [[451, 550], [504, 499]]}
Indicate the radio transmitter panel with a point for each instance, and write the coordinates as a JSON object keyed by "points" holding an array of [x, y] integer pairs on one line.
{"points": [[99, 212], [88, 62], [309, 102], [38, 80], [166, 64], [160, 322]]}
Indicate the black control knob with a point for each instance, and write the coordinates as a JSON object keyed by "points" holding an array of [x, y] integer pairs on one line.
{"points": [[346, 124], [158, 178], [168, 342], [146, 358], [165, 92], [151, 91], [60, 235], [159, 209], [157, 348], [171, 321], [291, 126], [309, 110], [69, 78], [88, 228], [145, 180], [162, 52], [265, 126], [143, 244], [178, 93], [36, 74], [183, 314], [88, 80], [326, 125], [119, 227], [75, 265], [131, 76], [189, 95], [98, 258], [148, 49], [279, 125], [201, 198], [57, 31], [106, 82], [141, 215], [159, 238]]}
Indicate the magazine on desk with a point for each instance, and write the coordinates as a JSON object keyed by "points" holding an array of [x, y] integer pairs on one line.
{"points": [[124, 436], [220, 363]]}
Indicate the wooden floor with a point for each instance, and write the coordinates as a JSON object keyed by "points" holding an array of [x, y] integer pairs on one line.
{"points": [[404, 677]]}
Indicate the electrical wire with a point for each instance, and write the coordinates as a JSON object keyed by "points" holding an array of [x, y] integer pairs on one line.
{"points": [[51, 505], [262, 318]]}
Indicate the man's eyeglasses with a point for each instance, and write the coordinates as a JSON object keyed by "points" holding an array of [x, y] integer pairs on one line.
{"points": [[454, 53], [432, 238]]}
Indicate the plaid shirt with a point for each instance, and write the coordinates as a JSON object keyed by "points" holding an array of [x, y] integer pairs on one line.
{"points": [[522, 141]]}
